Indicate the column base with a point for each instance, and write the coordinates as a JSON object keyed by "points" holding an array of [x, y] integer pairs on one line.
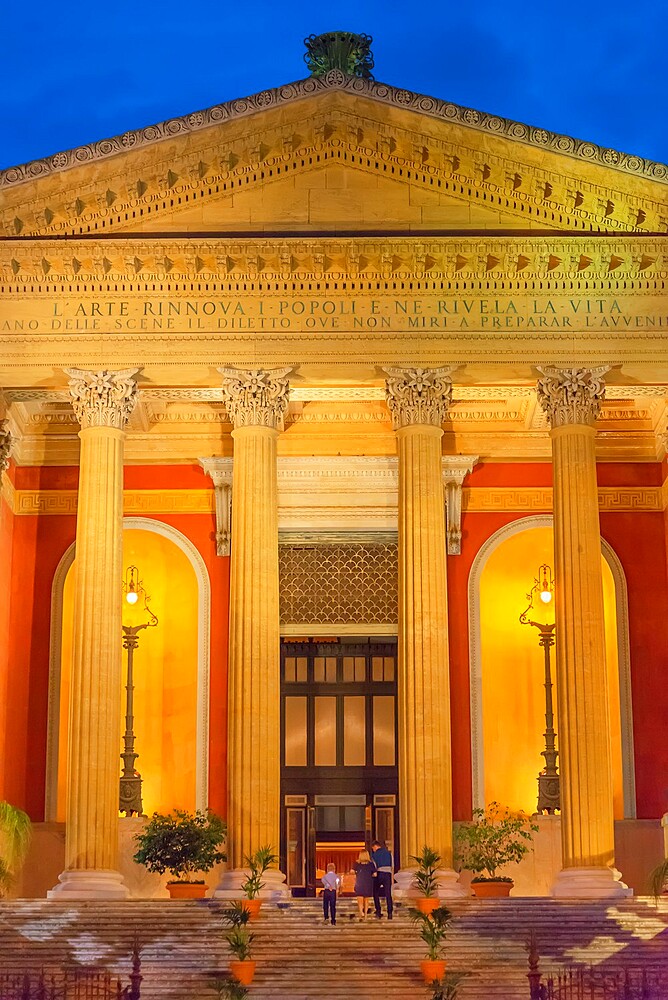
{"points": [[449, 886], [590, 883], [229, 886], [89, 883]]}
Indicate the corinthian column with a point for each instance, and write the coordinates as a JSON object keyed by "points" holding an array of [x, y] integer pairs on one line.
{"points": [[571, 398], [256, 402], [418, 400], [102, 402]]}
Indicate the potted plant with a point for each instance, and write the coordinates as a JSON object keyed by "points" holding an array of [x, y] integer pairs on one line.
{"points": [[181, 843], [228, 988], [448, 987], [257, 864], [425, 879], [433, 927], [658, 879], [495, 837], [240, 939], [15, 829]]}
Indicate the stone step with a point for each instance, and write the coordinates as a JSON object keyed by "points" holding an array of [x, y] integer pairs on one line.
{"points": [[301, 958]]}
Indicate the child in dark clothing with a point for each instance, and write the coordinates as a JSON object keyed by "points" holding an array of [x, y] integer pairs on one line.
{"points": [[332, 884]]}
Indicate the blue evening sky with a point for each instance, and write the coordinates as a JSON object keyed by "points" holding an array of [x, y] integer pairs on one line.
{"points": [[75, 72]]}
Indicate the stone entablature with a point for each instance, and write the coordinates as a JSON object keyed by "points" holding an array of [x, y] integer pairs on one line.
{"points": [[522, 259]]}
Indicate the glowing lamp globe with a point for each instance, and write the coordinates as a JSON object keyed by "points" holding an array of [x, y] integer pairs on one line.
{"points": [[132, 597]]}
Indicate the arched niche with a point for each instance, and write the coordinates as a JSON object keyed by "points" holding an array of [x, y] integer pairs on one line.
{"points": [[171, 670], [507, 727]]}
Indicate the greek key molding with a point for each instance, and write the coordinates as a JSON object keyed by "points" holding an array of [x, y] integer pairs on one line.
{"points": [[335, 80], [256, 398], [300, 502], [571, 395], [418, 395], [523, 259], [103, 398]]}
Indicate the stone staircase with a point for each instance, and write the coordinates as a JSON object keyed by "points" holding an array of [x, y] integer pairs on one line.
{"points": [[300, 957]]}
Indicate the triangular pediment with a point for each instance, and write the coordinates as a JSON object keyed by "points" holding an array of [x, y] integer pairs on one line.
{"points": [[338, 154]]}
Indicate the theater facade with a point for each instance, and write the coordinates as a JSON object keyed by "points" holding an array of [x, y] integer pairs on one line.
{"points": [[336, 379]]}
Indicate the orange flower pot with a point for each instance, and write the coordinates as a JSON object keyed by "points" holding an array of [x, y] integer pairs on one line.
{"points": [[427, 904], [187, 890], [491, 890], [244, 971], [432, 969], [252, 906]]}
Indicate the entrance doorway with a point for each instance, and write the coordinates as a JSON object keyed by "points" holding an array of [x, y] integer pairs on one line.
{"points": [[338, 755]]}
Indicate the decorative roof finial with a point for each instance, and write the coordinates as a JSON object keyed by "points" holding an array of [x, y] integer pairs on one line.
{"points": [[341, 50]]}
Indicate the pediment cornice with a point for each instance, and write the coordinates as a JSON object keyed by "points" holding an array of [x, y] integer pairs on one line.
{"points": [[557, 181]]}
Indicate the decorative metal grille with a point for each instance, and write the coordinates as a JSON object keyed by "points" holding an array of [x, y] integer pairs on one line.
{"points": [[338, 584]]}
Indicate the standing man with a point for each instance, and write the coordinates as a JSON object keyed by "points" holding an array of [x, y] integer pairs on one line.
{"points": [[382, 883]]}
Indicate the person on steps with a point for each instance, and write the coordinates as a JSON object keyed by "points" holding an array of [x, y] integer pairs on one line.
{"points": [[382, 883], [332, 883], [364, 869]]}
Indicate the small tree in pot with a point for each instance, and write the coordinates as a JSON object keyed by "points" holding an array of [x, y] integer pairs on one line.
{"points": [[257, 864], [182, 844], [433, 928], [425, 879], [240, 939], [494, 838]]}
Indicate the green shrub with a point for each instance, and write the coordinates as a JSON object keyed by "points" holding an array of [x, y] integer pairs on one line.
{"points": [[494, 838], [181, 843]]}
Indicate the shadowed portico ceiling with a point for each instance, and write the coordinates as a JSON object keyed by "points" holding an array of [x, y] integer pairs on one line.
{"points": [[428, 159]]}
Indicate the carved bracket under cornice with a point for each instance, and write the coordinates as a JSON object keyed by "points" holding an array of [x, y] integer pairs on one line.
{"points": [[220, 470], [454, 469]]}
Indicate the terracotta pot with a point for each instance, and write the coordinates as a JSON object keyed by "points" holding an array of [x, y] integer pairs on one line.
{"points": [[427, 904], [244, 971], [252, 906], [432, 969], [491, 890], [187, 890]]}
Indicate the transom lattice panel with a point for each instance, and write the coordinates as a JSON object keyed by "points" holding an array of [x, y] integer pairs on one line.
{"points": [[338, 584]]}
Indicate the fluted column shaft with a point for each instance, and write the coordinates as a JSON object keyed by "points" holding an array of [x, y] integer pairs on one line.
{"points": [[102, 401], [254, 663], [418, 400], [256, 402], [571, 398], [425, 778]]}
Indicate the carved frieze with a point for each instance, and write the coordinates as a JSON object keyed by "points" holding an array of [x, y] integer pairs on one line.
{"points": [[571, 395], [418, 395], [5, 445], [256, 398], [103, 398], [524, 263]]}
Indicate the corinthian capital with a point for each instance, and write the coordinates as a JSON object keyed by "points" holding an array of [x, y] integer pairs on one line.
{"points": [[5, 445], [571, 395], [256, 398], [102, 399], [418, 395]]}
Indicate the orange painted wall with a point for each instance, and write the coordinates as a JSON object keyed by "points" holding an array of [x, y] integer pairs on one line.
{"points": [[6, 531], [640, 542], [38, 545]]}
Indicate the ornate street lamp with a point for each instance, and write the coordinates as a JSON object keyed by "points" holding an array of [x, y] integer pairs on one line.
{"points": [[548, 778], [130, 801]]}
